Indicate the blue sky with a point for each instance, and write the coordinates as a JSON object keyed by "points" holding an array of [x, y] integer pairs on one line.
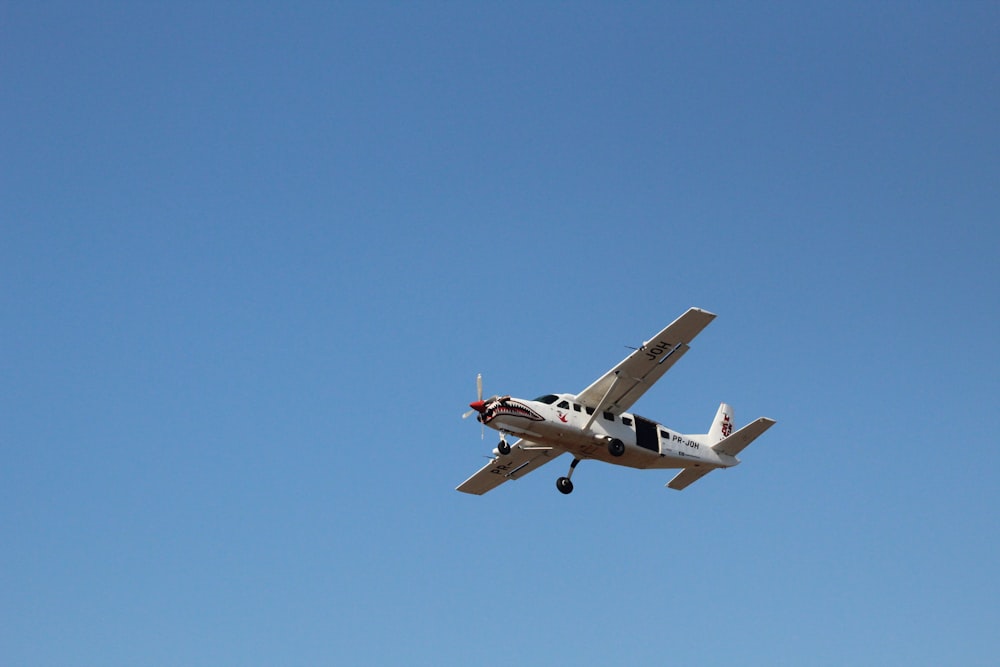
{"points": [[252, 257]]}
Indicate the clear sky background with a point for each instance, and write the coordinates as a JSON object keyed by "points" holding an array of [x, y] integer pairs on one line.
{"points": [[253, 256]]}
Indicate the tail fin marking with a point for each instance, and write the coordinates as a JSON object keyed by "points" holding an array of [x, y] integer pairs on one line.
{"points": [[722, 425]]}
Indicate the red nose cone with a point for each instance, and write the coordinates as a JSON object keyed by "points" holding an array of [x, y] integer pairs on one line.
{"points": [[478, 406]]}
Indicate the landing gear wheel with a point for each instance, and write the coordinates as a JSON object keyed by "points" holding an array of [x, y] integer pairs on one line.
{"points": [[616, 447], [503, 448], [564, 485]]}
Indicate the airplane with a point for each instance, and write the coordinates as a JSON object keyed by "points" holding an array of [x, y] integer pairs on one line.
{"points": [[596, 423]]}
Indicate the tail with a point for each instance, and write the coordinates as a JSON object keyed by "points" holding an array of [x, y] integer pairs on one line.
{"points": [[722, 439], [722, 425]]}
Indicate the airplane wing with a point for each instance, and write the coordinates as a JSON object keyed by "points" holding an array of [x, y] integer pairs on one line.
{"points": [[618, 389], [524, 457]]}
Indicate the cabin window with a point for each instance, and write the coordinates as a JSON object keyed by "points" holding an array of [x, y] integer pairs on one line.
{"points": [[590, 411], [609, 416], [626, 421], [664, 435], [563, 404], [576, 407]]}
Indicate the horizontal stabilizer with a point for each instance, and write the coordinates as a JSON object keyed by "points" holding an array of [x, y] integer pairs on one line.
{"points": [[688, 476], [732, 445], [738, 441]]}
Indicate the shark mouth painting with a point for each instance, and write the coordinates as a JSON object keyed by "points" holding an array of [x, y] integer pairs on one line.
{"points": [[509, 408]]}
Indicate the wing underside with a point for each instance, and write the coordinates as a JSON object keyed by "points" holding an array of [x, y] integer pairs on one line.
{"points": [[524, 457], [618, 389]]}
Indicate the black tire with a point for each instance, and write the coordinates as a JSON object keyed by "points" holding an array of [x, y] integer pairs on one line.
{"points": [[564, 485], [616, 447], [503, 448]]}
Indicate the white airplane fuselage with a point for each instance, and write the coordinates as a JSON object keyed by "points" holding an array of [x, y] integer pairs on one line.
{"points": [[559, 422]]}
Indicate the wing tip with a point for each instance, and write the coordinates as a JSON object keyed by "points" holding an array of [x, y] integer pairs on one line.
{"points": [[702, 311]]}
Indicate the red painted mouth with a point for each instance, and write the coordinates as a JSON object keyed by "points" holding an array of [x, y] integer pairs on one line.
{"points": [[507, 408]]}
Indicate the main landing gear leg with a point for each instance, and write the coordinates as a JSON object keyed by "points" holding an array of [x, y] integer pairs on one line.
{"points": [[563, 483]]}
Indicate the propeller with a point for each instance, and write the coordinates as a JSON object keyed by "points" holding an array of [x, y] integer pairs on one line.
{"points": [[477, 406]]}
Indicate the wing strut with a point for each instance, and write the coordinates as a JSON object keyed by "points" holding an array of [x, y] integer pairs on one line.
{"points": [[604, 401], [607, 400], [643, 367]]}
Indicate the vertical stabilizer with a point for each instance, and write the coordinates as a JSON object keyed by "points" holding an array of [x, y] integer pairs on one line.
{"points": [[722, 425]]}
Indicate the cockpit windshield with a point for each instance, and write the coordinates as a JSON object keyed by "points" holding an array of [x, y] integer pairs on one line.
{"points": [[548, 399]]}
